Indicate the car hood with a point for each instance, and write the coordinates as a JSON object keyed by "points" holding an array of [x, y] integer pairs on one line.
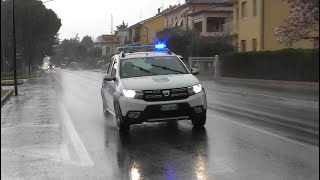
{"points": [[160, 82]]}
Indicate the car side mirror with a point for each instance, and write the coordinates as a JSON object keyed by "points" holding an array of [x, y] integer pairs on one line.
{"points": [[108, 77], [194, 71]]}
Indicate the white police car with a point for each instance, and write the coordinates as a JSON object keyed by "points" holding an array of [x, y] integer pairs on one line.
{"points": [[151, 84]]}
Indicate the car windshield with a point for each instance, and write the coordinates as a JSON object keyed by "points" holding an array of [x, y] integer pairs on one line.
{"points": [[150, 66]]}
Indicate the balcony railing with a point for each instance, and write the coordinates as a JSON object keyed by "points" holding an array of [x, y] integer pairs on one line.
{"points": [[230, 28]]}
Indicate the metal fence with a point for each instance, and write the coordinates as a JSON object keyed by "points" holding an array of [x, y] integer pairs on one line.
{"points": [[208, 66]]}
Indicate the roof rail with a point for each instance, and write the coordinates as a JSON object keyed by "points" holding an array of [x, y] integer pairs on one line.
{"points": [[143, 48]]}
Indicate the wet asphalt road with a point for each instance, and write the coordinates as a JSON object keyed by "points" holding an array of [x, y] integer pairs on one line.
{"points": [[56, 129]]}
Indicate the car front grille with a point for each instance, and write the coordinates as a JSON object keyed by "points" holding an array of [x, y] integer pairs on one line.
{"points": [[165, 94]]}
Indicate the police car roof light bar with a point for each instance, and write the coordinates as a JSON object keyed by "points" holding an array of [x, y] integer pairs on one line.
{"points": [[144, 48]]}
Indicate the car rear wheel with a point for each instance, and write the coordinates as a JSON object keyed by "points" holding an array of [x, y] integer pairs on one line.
{"points": [[123, 127], [199, 121]]}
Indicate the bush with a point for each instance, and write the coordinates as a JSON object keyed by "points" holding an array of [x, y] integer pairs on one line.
{"points": [[190, 43], [286, 64]]}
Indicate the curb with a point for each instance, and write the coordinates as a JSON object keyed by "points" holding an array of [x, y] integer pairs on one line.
{"points": [[270, 81], [6, 97]]}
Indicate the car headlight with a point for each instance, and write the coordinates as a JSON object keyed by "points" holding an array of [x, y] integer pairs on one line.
{"points": [[194, 89], [129, 93], [132, 94]]}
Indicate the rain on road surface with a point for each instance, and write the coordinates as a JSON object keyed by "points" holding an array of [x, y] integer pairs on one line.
{"points": [[56, 129]]}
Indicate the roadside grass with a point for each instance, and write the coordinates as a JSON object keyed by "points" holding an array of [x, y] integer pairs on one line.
{"points": [[10, 82], [20, 75], [3, 92]]}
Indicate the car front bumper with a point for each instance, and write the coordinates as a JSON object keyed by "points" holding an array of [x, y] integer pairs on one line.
{"points": [[150, 111]]}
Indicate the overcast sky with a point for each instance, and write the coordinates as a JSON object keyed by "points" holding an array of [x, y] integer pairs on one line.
{"points": [[93, 17]]}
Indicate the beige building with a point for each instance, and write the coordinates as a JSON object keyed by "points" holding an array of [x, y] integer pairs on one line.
{"points": [[108, 44], [207, 16], [254, 24]]}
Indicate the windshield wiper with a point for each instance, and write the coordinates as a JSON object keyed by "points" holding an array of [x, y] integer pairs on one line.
{"points": [[145, 70], [166, 68]]}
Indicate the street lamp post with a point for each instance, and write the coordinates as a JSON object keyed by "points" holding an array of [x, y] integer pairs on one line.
{"points": [[15, 48], [14, 51]]}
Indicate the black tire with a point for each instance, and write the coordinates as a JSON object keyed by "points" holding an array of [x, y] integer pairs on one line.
{"points": [[123, 127], [199, 121]]}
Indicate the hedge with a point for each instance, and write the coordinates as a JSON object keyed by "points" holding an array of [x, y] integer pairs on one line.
{"points": [[286, 64]]}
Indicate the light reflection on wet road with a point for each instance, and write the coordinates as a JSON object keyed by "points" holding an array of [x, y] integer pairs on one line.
{"points": [[79, 142]]}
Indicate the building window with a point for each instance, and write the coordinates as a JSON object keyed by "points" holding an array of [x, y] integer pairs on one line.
{"points": [[244, 10], [198, 26], [214, 24], [108, 50], [255, 8], [171, 22], [254, 44], [243, 47]]}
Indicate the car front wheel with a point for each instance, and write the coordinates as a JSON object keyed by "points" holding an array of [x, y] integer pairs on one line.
{"points": [[200, 120], [123, 127]]}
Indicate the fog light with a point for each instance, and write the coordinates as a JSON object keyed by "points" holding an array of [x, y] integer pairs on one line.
{"points": [[198, 109], [133, 115]]}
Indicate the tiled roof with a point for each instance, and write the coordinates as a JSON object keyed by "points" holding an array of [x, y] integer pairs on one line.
{"points": [[206, 1], [107, 39]]}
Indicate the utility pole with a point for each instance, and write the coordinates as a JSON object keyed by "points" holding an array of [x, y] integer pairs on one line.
{"points": [[14, 50], [111, 24]]}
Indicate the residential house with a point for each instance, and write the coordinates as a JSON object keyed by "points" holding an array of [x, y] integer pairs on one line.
{"points": [[144, 32], [254, 24], [207, 16], [108, 44]]}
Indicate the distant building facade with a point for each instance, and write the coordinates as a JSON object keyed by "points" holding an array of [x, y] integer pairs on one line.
{"points": [[108, 44], [206, 16], [254, 23]]}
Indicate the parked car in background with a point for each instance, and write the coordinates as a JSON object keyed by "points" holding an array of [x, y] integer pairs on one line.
{"points": [[74, 66], [63, 66]]}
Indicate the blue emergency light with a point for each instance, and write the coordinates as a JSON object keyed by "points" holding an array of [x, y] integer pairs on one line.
{"points": [[160, 46]]}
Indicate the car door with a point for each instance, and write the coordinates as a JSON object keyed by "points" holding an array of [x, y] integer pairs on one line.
{"points": [[112, 84], [105, 86]]}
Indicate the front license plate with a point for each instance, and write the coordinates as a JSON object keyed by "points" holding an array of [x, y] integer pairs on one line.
{"points": [[169, 107]]}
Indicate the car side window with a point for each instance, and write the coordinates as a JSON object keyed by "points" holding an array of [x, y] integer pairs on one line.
{"points": [[114, 68]]}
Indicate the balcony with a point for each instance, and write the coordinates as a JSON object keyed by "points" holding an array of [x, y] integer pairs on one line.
{"points": [[230, 28]]}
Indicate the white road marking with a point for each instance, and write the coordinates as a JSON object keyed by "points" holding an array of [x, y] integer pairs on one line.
{"points": [[79, 148], [111, 112], [265, 132]]}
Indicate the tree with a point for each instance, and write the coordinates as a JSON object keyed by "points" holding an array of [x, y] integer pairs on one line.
{"points": [[82, 52], [36, 30], [302, 23], [190, 43], [122, 26], [87, 42]]}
